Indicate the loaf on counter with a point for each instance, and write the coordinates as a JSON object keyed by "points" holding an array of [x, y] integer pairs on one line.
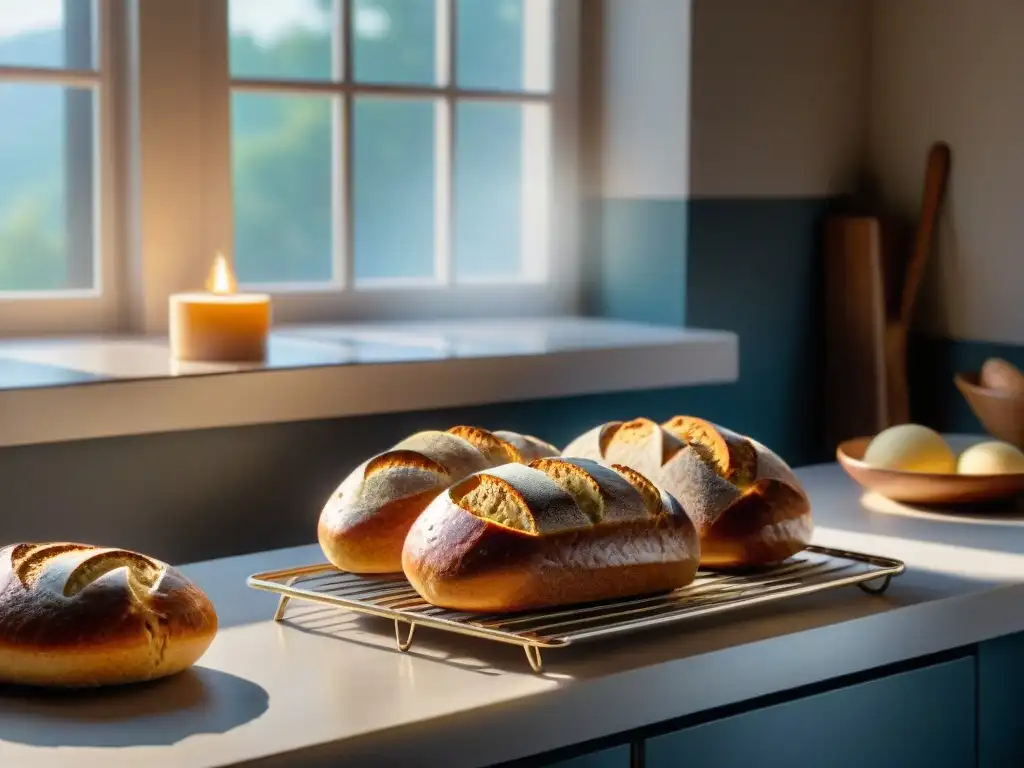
{"points": [[748, 506], [364, 523], [555, 532], [74, 615]]}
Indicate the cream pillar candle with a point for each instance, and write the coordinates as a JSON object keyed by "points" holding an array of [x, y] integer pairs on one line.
{"points": [[219, 325]]}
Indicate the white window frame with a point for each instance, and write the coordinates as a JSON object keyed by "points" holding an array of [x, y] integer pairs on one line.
{"points": [[182, 181], [97, 308]]}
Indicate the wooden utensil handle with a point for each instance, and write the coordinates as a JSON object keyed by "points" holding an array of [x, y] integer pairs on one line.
{"points": [[936, 176]]}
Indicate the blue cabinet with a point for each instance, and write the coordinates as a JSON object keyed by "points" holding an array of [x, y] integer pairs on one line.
{"points": [[922, 717], [1001, 702], [616, 757]]}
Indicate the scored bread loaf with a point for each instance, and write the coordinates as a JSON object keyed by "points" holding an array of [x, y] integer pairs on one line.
{"points": [[363, 525], [748, 506], [75, 615], [556, 532]]}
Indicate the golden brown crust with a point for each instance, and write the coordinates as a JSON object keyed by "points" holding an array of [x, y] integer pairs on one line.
{"points": [[397, 459], [732, 456], [363, 525], [72, 614], [765, 525], [494, 449], [530, 448], [650, 494], [368, 543], [458, 559], [747, 504]]}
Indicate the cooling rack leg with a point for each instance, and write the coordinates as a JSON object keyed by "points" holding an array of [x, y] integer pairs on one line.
{"points": [[533, 656], [283, 602], [281, 605], [403, 643], [876, 589]]}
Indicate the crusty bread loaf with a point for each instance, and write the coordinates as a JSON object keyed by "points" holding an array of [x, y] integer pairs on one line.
{"points": [[364, 523], [77, 615], [556, 532], [749, 507]]}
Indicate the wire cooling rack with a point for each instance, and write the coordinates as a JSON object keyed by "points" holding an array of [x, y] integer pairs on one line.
{"points": [[392, 597]]}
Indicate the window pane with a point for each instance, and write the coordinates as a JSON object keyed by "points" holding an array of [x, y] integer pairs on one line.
{"points": [[395, 41], [46, 193], [283, 148], [38, 33], [501, 192], [283, 39], [394, 181], [504, 45]]}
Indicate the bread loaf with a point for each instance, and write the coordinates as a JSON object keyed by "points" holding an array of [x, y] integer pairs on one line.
{"points": [[556, 532], [364, 523], [77, 615], [748, 506]]}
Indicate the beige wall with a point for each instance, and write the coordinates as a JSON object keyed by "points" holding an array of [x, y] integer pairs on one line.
{"points": [[646, 104], [954, 69], [778, 97], [789, 98], [733, 98]]}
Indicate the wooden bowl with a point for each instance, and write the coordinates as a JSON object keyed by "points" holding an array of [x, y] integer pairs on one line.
{"points": [[924, 487], [1001, 413]]}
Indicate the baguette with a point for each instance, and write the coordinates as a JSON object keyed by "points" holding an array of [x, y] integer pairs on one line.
{"points": [[363, 525], [749, 507], [74, 615], [556, 532]]}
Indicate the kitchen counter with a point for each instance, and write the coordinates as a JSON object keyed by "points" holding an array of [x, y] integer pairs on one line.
{"points": [[329, 688]]}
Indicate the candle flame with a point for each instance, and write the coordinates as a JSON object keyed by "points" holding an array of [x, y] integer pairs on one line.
{"points": [[221, 279]]}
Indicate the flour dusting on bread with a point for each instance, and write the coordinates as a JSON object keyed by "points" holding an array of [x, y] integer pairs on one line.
{"points": [[582, 486]]}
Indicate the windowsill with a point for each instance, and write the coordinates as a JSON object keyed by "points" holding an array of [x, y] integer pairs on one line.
{"points": [[57, 390]]}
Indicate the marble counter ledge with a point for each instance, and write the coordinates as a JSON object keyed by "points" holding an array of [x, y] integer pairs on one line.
{"points": [[111, 386], [328, 688]]}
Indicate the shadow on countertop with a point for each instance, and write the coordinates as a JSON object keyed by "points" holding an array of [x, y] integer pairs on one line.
{"points": [[163, 712]]}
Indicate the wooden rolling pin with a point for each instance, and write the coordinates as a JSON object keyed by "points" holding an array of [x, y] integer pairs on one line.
{"points": [[900, 314]]}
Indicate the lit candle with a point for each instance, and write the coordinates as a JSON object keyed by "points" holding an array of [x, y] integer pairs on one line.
{"points": [[220, 324]]}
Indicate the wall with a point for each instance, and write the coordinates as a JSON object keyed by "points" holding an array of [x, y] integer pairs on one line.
{"points": [[941, 71], [716, 228], [726, 235]]}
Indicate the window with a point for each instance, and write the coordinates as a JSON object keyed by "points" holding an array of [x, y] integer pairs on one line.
{"points": [[357, 158], [395, 150], [56, 251]]}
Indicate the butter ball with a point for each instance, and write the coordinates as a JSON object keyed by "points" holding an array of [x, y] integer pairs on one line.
{"points": [[911, 448], [991, 458]]}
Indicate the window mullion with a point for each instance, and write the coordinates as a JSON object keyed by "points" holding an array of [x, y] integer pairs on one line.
{"points": [[344, 226], [80, 124], [564, 218], [216, 173], [181, 142], [445, 132]]}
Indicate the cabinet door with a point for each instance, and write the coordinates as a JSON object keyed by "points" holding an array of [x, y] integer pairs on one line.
{"points": [[923, 717], [616, 757], [1001, 702]]}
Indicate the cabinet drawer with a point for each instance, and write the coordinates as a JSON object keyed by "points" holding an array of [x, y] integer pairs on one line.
{"points": [[1001, 702], [616, 757], [923, 717]]}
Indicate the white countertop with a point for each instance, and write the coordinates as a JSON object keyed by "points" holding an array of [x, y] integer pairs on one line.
{"points": [[327, 688], [108, 386]]}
